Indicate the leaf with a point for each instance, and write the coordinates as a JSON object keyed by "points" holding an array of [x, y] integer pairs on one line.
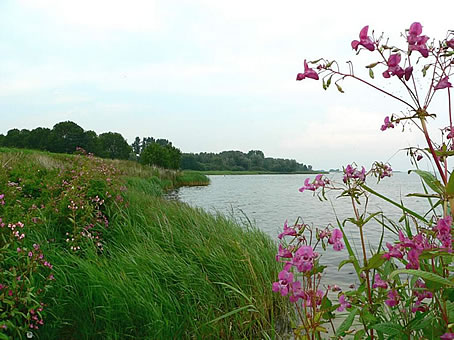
{"points": [[315, 61], [372, 65], [450, 187], [375, 261], [344, 262], [346, 324], [388, 328], [328, 82], [371, 73], [430, 180], [339, 88], [425, 275], [359, 334], [423, 195]]}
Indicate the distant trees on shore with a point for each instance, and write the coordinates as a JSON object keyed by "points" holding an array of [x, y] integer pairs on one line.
{"points": [[66, 137], [254, 160]]}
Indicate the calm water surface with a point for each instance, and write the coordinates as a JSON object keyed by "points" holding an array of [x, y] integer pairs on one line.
{"points": [[269, 200]]}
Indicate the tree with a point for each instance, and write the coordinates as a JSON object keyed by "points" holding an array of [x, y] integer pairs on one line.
{"points": [[113, 145], [66, 137], [163, 156], [39, 138]]}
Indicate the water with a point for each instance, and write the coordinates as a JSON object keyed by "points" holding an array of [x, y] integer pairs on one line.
{"points": [[268, 200]]}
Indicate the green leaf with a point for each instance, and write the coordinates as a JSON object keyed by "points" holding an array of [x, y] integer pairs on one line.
{"points": [[423, 195], [372, 65], [339, 88], [315, 61], [450, 187], [430, 180], [375, 261], [371, 73], [424, 70], [360, 334], [425, 275], [328, 82], [344, 262], [388, 328], [346, 324]]}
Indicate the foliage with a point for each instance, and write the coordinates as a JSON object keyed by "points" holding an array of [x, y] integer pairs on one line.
{"points": [[405, 288], [165, 156], [254, 160]]}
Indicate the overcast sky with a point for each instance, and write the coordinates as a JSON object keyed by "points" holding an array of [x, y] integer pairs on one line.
{"points": [[208, 75]]}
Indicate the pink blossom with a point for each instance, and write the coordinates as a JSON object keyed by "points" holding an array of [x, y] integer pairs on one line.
{"points": [[388, 124], [283, 285], [393, 298], [343, 303], [393, 67], [443, 83], [284, 253], [364, 40], [379, 283], [308, 73], [443, 230], [447, 336], [335, 240], [450, 43], [416, 41], [318, 182], [288, 231], [303, 259], [413, 259], [353, 173]]}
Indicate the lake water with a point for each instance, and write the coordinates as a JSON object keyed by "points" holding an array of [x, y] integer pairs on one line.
{"points": [[269, 200]]}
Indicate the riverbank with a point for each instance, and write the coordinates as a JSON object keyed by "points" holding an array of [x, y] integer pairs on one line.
{"points": [[126, 263]]}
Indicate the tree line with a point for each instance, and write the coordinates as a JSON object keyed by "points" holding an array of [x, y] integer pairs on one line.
{"points": [[66, 137], [254, 160]]}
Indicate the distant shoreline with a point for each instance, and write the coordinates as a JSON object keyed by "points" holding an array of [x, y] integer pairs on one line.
{"points": [[243, 172]]}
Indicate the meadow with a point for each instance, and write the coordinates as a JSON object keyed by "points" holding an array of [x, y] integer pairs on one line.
{"points": [[105, 256]]}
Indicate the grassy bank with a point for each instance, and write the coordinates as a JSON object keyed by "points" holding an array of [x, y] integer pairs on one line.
{"points": [[126, 264]]}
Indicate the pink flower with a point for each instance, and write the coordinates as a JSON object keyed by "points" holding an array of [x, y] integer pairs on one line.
{"points": [[343, 303], [450, 43], [416, 41], [283, 285], [387, 125], [364, 40], [308, 73], [335, 240], [318, 182], [303, 259], [447, 336], [443, 83], [413, 259], [284, 253], [379, 283], [443, 229], [393, 67], [408, 71], [287, 231], [393, 298]]}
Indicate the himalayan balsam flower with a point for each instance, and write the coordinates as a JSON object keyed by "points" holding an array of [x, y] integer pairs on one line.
{"points": [[416, 41], [343, 304], [308, 73], [335, 240], [450, 43], [443, 83], [288, 231], [393, 298], [443, 230], [283, 253], [379, 283], [303, 259], [283, 285], [314, 185], [387, 125], [364, 40], [447, 336], [353, 173]]}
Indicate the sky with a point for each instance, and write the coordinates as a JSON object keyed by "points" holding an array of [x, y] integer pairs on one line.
{"points": [[209, 75]]}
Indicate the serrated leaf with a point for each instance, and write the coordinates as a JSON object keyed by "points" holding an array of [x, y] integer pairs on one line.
{"points": [[339, 88], [371, 73], [388, 328], [430, 180], [425, 275], [375, 261], [450, 186], [346, 324]]}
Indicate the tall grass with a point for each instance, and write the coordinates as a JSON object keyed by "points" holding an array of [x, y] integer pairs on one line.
{"points": [[168, 271]]}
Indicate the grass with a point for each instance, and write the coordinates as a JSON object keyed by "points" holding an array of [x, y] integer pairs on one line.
{"points": [[167, 271]]}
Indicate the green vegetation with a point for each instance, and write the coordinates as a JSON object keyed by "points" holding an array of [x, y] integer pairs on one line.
{"points": [[254, 161], [228, 172], [126, 263]]}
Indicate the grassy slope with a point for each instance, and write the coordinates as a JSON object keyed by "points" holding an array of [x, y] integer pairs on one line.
{"points": [[167, 271]]}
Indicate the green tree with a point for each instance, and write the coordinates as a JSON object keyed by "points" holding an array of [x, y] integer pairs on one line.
{"points": [[66, 137], [39, 138], [113, 145], [162, 156]]}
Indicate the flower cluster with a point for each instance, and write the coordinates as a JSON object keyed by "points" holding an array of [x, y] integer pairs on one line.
{"points": [[351, 172], [318, 182]]}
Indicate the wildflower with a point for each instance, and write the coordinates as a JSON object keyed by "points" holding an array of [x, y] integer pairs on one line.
{"points": [[413, 259], [408, 72], [443, 83], [297, 292], [416, 41], [364, 40], [447, 336], [308, 73], [317, 183], [443, 229], [450, 43], [393, 67], [335, 240], [393, 298], [283, 253], [30, 254], [353, 173], [283, 285], [379, 283], [388, 124], [303, 259], [343, 303], [288, 231]]}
